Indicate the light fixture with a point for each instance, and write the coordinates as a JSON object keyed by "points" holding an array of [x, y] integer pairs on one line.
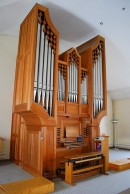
{"points": [[124, 8], [101, 23]]}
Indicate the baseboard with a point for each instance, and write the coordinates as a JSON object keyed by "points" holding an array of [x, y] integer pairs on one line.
{"points": [[123, 146], [5, 161]]}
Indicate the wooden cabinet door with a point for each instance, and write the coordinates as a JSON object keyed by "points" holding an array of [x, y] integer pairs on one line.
{"points": [[32, 155], [15, 138]]}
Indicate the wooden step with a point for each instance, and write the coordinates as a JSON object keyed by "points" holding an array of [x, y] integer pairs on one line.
{"points": [[119, 165], [38, 185]]}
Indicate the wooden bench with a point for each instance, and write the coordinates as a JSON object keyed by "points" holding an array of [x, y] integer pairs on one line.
{"points": [[38, 185], [83, 165]]}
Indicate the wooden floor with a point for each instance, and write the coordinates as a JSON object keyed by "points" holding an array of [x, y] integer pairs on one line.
{"points": [[119, 165]]}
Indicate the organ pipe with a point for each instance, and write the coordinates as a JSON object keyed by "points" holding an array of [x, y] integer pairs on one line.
{"points": [[44, 67], [84, 87], [73, 76], [61, 81], [97, 80]]}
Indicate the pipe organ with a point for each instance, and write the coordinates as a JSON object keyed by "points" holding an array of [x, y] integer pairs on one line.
{"points": [[59, 100]]}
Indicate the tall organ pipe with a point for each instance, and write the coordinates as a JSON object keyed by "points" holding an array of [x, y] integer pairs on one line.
{"points": [[36, 78], [97, 81], [43, 80]]}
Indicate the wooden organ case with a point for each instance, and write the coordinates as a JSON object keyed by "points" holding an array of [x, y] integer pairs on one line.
{"points": [[58, 102]]}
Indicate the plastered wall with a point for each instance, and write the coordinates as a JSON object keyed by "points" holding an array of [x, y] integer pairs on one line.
{"points": [[8, 51], [106, 126], [121, 112]]}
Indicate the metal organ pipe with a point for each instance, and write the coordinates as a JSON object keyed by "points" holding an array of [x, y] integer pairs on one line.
{"points": [[59, 91], [44, 67], [84, 87], [76, 85], [73, 83], [61, 81], [36, 78], [51, 80], [101, 78], [97, 80], [69, 90], [94, 89]]}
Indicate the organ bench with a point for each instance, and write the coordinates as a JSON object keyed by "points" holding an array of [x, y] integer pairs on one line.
{"points": [[84, 165]]}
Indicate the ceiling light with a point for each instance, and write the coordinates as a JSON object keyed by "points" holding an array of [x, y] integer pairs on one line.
{"points": [[124, 8], [101, 23]]}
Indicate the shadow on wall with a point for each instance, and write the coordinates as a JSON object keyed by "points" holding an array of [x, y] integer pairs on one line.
{"points": [[70, 27]]}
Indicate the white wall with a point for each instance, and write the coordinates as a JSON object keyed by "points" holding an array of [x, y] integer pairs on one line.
{"points": [[8, 52], [122, 128], [106, 126]]}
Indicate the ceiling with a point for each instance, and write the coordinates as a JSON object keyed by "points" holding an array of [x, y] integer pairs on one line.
{"points": [[78, 21]]}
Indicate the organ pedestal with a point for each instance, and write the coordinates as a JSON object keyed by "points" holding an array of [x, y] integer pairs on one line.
{"points": [[57, 99]]}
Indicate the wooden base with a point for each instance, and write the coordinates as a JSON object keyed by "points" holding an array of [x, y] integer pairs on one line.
{"points": [[83, 165], [119, 165], [38, 185]]}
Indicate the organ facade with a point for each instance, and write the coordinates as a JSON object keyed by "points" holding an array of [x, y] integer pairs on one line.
{"points": [[59, 100]]}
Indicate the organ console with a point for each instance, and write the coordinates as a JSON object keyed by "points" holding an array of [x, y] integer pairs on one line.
{"points": [[59, 101]]}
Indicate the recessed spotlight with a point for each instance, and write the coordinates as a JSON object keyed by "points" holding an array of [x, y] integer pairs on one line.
{"points": [[101, 23], [124, 8]]}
